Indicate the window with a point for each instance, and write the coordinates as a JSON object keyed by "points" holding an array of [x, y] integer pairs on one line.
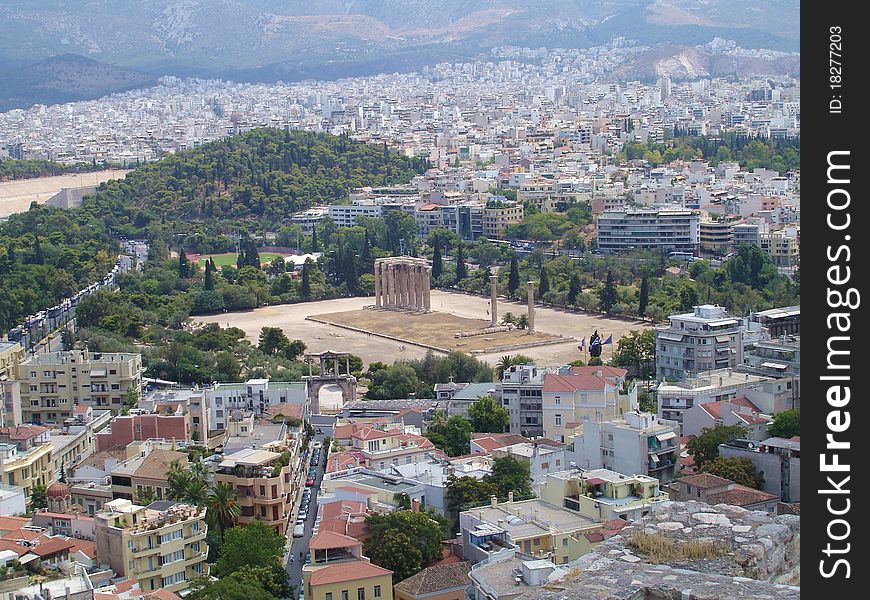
{"points": [[377, 591], [328, 596], [360, 594], [564, 542], [558, 420], [537, 541], [558, 400], [343, 594], [172, 535]]}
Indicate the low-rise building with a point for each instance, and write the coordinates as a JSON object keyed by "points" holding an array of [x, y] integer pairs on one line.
{"points": [[11, 356], [10, 403], [162, 545], [578, 394], [144, 472], [438, 582], [735, 411], [339, 571], [25, 457], [777, 460], [254, 395], [543, 458], [12, 500], [673, 228], [637, 444], [705, 339], [521, 392], [602, 494], [712, 489]]}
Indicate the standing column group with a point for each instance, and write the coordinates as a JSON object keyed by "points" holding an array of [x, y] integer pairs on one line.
{"points": [[402, 282]]}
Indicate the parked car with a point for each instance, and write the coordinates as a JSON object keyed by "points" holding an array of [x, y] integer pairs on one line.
{"points": [[309, 482], [299, 530]]}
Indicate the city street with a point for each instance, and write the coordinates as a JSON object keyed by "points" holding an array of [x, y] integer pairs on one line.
{"points": [[300, 545]]}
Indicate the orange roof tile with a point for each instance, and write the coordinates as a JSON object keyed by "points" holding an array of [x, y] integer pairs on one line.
{"points": [[326, 540], [347, 572]]}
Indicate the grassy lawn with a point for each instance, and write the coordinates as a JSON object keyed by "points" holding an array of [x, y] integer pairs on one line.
{"points": [[229, 258]]}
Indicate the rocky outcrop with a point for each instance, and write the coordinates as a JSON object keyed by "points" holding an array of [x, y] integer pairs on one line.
{"points": [[757, 556]]}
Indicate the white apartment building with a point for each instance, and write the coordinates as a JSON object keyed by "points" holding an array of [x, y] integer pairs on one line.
{"points": [[255, 395], [520, 391], [637, 444], [705, 339], [673, 228]]}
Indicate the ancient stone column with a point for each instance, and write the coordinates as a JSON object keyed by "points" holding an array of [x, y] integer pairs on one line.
{"points": [[493, 300], [377, 285], [426, 290], [391, 286], [530, 291], [418, 287]]}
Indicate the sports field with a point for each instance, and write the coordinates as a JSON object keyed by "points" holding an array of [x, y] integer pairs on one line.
{"points": [[228, 259]]}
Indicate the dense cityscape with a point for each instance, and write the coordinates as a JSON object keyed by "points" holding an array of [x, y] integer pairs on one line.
{"points": [[484, 331]]}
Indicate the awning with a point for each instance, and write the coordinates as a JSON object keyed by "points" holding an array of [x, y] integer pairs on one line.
{"points": [[595, 481], [721, 322], [654, 458], [671, 337], [663, 437], [723, 338], [774, 365], [98, 372]]}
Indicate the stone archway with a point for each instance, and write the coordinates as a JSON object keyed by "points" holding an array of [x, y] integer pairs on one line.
{"points": [[329, 378]]}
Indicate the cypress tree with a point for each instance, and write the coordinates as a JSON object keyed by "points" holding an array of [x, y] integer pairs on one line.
{"points": [[305, 288], [573, 289], [315, 245], [436, 262], [644, 297], [608, 295], [183, 264], [461, 268], [38, 256], [208, 282], [543, 284], [514, 276]]}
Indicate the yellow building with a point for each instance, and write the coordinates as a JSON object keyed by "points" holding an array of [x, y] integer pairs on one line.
{"points": [[11, 355], [264, 484], [498, 215], [53, 383], [537, 529], [162, 548], [339, 571], [577, 394], [25, 457], [601, 494], [783, 249]]}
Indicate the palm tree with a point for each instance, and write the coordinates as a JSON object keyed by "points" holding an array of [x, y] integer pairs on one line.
{"points": [[196, 492], [178, 479], [504, 364], [222, 506]]}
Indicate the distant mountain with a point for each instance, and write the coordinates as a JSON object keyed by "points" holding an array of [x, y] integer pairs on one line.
{"points": [[65, 78], [267, 40]]}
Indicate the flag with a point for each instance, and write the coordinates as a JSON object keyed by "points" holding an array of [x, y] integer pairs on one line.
{"points": [[582, 344], [609, 340]]}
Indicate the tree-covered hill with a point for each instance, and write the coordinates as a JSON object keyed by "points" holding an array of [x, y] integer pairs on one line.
{"points": [[263, 175]]}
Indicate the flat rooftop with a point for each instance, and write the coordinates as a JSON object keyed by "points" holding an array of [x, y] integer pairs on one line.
{"points": [[531, 518]]}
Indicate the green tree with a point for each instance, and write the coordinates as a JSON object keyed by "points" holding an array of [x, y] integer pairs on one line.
{"points": [[424, 529], [464, 491], [305, 286], [183, 264], [637, 349], [255, 545], [223, 507], [510, 474], [294, 349], [315, 243], [543, 284], [452, 435], [574, 289], [643, 298], [38, 497], [436, 262], [397, 552], [609, 296], [514, 275], [146, 496], [489, 416], [273, 340], [208, 280], [738, 470], [461, 267], [229, 588], [786, 424], [705, 447]]}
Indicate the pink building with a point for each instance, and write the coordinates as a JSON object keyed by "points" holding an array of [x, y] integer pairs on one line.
{"points": [[125, 429]]}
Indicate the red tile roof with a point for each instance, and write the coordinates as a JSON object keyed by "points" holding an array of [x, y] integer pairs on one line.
{"points": [[12, 523], [437, 578], [326, 540], [347, 572], [740, 495], [705, 480]]}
